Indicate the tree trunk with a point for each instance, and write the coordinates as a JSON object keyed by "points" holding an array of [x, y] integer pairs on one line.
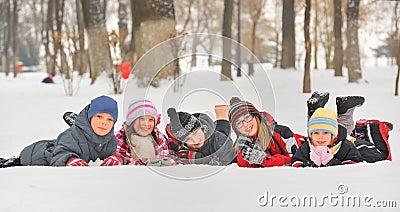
{"points": [[277, 34], [397, 35], [7, 36], [99, 50], [288, 35], [155, 23], [306, 80], [123, 27], [316, 24], [276, 62], [226, 72], [193, 62], [337, 28], [352, 50], [131, 55], [58, 49], [49, 32], [253, 48], [396, 93], [81, 37], [329, 34], [15, 36]]}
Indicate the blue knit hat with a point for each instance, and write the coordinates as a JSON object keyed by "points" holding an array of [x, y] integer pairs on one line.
{"points": [[325, 120], [103, 104]]}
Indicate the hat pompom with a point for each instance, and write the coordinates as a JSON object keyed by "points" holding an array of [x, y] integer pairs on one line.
{"points": [[171, 112], [234, 100]]}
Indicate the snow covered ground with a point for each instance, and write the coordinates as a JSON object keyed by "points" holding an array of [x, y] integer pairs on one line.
{"points": [[33, 111]]}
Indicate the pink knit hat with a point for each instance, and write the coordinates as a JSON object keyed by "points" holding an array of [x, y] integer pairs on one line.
{"points": [[141, 107]]}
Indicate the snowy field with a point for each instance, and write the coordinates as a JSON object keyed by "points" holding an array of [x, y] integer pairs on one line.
{"points": [[32, 111]]}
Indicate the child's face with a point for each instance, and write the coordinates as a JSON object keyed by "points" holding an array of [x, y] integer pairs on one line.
{"points": [[102, 123], [196, 139], [247, 125], [144, 125], [321, 138]]}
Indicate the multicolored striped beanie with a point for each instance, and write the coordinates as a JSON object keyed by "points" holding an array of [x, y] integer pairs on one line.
{"points": [[325, 120]]}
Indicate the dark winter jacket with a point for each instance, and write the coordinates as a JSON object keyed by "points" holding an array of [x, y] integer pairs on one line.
{"points": [[348, 152], [79, 141], [48, 80], [217, 150], [283, 145]]}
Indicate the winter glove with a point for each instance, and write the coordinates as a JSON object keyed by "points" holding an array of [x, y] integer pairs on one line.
{"points": [[252, 153], [326, 155], [314, 156], [76, 162], [320, 155], [113, 160], [185, 156], [245, 142], [159, 162]]}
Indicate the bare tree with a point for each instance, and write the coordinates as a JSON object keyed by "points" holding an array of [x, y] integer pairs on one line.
{"points": [[288, 58], [256, 11], [226, 72], [337, 28], [131, 53], [277, 30], [81, 39], [122, 21], [15, 33], [397, 34], [316, 25], [59, 14], [396, 93], [352, 50], [306, 79], [6, 14], [99, 51], [326, 33], [49, 37]]}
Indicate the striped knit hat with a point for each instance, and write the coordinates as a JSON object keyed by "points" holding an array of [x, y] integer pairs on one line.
{"points": [[141, 107], [325, 120], [239, 108], [182, 124]]}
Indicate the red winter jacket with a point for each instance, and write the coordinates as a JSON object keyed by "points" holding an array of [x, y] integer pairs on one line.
{"points": [[284, 144]]}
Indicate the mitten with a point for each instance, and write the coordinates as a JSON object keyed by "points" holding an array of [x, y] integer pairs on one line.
{"points": [[76, 162], [325, 154], [113, 160], [253, 156], [159, 162], [154, 162], [314, 155], [245, 142], [185, 156]]}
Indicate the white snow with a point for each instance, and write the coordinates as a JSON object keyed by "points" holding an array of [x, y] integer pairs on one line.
{"points": [[32, 111]]}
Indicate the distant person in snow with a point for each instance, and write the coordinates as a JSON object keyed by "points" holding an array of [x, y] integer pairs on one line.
{"points": [[261, 141], [197, 139], [49, 78], [90, 138], [328, 142]]}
